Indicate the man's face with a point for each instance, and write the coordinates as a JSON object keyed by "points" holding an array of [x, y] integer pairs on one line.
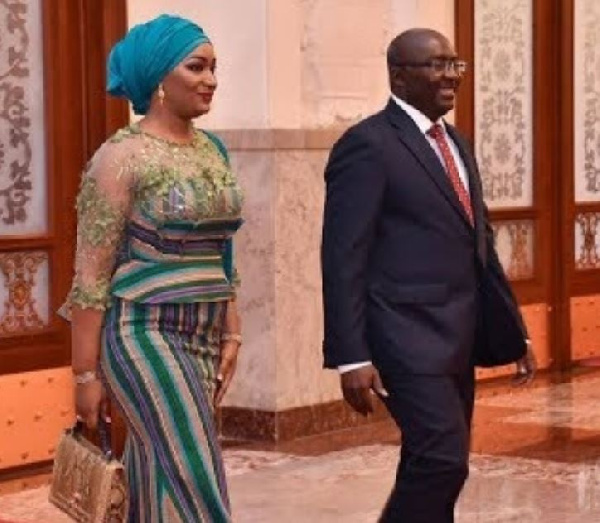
{"points": [[426, 83]]}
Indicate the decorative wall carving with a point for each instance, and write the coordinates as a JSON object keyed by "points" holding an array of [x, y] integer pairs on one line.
{"points": [[22, 172], [587, 100], [344, 78], [23, 286], [587, 240], [514, 243], [503, 94]]}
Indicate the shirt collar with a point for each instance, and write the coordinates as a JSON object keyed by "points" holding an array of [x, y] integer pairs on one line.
{"points": [[421, 121]]}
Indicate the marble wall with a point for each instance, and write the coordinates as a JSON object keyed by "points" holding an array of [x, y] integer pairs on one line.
{"points": [[343, 62], [278, 256], [289, 64], [299, 204], [293, 74], [255, 383]]}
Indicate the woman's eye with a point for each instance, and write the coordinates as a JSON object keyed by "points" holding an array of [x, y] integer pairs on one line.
{"points": [[198, 68]]}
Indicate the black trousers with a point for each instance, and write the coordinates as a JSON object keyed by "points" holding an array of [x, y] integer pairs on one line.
{"points": [[434, 414]]}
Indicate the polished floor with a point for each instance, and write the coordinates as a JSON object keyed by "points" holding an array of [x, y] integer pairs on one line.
{"points": [[536, 457]]}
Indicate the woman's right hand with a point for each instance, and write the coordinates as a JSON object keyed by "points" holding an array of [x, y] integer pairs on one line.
{"points": [[90, 402]]}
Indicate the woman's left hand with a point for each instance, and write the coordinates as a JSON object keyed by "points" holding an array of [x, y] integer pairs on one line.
{"points": [[227, 366]]}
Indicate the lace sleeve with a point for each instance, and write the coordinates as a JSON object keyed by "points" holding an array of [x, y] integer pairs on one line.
{"points": [[103, 205]]}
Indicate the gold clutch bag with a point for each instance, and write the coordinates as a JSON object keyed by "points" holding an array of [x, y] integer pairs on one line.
{"points": [[88, 483]]}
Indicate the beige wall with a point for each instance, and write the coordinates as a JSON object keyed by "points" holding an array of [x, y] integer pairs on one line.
{"points": [[300, 65], [436, 14]]}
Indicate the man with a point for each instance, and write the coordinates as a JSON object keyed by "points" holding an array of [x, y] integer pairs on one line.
{"points": [[409, 266]]}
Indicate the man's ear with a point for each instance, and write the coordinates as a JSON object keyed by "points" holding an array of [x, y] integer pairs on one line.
{"points": [[396, 78]]}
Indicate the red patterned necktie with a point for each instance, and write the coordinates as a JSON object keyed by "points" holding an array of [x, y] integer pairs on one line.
{"points": [[437, 133]]}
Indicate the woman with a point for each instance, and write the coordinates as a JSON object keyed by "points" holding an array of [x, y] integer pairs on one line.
{"points": [[153, 298]]}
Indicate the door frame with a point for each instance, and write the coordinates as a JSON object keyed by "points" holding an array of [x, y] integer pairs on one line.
{"points": [[551, 244], [78, 117]]}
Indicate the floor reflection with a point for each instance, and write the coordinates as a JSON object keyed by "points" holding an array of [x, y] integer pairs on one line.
{"points": [[536, 457]]}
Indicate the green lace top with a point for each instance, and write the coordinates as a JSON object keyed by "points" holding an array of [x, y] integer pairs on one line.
{"points": [[153, 216]]}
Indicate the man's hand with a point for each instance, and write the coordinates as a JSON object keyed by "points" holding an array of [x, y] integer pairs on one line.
{"points": [[357, 385], [526, 367]]}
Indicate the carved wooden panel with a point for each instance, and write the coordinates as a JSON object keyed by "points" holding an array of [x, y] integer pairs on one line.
{"points": [[586, 84], [23, 292], [23, 205], [587, 240], [503, 100], [515, 245]]}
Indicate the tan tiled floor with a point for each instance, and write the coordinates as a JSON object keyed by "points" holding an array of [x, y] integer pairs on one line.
{"points": [[536, 458]]}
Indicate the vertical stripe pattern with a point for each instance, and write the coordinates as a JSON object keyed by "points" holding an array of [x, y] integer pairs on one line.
{"points": [[159, 363]]}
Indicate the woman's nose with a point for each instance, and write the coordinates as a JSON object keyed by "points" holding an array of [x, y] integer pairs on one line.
{"points": [[210, 79]]}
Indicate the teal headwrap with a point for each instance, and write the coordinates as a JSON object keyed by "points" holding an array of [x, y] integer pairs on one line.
{"points": [[148, 52]]}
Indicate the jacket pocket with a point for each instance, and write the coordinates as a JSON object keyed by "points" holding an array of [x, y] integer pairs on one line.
{"points": [[432, 293]]}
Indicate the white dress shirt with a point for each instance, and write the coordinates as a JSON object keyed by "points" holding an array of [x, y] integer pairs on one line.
{"points": [[424, 124]]}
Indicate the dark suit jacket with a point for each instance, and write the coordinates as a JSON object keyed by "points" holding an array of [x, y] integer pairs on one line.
{"points": [[402, 266]]}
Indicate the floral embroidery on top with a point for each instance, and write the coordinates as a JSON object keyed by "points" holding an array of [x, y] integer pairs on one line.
{"points": [[199, 183], [100, 223], [135, 175]]}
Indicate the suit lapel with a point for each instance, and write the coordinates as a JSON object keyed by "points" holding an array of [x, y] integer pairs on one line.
{"points": [[477, 202], [411, 136]]}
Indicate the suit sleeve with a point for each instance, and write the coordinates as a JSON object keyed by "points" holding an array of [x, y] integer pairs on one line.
{"points": [[355, 183]]}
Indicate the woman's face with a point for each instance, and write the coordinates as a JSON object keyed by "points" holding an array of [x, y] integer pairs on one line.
{"points": [[189, 88]]}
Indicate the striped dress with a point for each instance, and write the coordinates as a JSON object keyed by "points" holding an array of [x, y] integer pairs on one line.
{"points": [[155, 226]]}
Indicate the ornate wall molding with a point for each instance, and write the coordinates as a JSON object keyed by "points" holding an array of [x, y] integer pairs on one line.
{"points": [[587, 100], [24, 285], [503, 100], [22, 150]]}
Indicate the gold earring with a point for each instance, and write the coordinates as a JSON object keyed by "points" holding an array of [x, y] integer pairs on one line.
{"points": [[161, 94]]}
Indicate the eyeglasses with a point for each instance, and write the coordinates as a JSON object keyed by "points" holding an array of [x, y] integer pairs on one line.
{"points": [[439, 66]]}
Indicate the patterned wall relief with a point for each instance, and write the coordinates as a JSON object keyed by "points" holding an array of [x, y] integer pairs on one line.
{"points": [[587, 240], [587, 100], [514, 242], [22, 151], [344, 77], [503, 100], [23, 292]]}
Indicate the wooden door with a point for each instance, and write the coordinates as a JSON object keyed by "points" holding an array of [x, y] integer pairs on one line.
{"points": [[579, 145], [508, 106], [53, 114]]}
